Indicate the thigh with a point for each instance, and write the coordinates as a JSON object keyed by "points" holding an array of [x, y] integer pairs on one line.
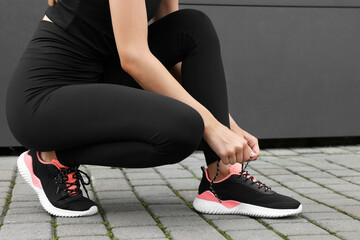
{"points": [[85, 114]]}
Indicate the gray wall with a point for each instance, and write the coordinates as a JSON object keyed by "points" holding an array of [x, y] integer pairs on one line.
{"points": [[18, 20], [292, 66]]}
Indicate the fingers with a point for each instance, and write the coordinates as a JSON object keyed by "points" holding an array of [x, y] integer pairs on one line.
{"points": [[256, 150], [232, 158], [225, 160], [229, 158], [246, 153], [254, 145]]}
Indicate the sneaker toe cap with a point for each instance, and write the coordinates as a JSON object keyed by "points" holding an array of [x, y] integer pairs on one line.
{"points": [[286, 202], [82, 204]]}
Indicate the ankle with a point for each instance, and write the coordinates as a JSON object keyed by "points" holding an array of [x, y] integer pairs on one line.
{"points": [[223, 171], [47, 156]]}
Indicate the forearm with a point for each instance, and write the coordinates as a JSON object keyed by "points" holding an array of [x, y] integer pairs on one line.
{"points": [[152, 76], [176, 72]]}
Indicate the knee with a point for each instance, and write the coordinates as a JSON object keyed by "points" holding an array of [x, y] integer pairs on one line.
{"points": [[184, 136], [199, 25]]}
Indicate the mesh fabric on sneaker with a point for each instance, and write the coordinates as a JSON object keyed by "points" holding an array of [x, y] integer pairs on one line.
{"points": [[241, 187], [61, 184]]}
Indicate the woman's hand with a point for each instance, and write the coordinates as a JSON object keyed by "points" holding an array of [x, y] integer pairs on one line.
{"points": [[251, 140], [229, 146]]}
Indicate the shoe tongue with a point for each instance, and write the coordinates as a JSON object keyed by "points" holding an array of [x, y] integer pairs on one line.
{"points": [[236, 168], [71, 178]]}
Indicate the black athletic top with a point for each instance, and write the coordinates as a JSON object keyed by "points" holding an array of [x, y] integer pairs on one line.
{"points": [[90, 21]]}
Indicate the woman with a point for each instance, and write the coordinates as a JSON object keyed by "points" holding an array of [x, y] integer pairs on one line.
{"points": [[94, 87]]}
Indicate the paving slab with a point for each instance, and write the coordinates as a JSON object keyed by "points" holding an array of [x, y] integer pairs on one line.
{"points": [[351, 210], [27, 218], [143, 176], [122, 207], [332, 150], [35, 231], [147, 182], [115, 194], [314, 237], [128, 219], [163, 200], [111, 185], [326, 216], [349, 235], [184, 184], [317, 208], [194, 232], [298, 229], [85, 238], [340, 226], [291, 220], [253, 235], [35, 209], [183, 221], [340, 202], [175, 173], [106, 173], [96, 219], [6, 175], [282, 152], [239, 224], [171, 210], [154, 191], [80, 230], [189, 195], [143, 232], [306, 150]]}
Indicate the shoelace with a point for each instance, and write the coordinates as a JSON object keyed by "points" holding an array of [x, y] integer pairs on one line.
{"points": [[248, 176], [63, 177], [243, 173]]}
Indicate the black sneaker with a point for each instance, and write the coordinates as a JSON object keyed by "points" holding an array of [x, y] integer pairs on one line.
{"points": [[240, 193], [57, 186]]}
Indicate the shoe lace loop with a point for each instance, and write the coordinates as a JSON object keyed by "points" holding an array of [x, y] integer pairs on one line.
{"points": [[72, 178], [248, 176]]}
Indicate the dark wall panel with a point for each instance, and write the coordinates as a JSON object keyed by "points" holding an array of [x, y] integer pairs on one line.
{"points": [[291, 71], [18, 20]]}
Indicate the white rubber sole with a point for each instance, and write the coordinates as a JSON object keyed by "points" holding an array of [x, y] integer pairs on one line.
{"points": [[45, 203], [211, 207]]}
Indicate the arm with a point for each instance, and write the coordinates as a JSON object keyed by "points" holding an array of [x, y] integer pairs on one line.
{"points": [[130, 30], [166, 7]]}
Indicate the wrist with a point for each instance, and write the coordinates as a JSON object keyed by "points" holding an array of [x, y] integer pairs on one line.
{"points": [[235, 128], [210, 124]]}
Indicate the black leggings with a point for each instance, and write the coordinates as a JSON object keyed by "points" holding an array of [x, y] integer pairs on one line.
{"points": [[65, 97]]}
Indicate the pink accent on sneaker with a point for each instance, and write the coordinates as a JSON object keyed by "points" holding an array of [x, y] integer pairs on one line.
{"points": [[233, 170], [236, 168], [54, 162], [209, 196], [28, 162], [207, 176]]}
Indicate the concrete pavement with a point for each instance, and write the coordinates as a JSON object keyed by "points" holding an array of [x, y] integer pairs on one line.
{"points": [[156, 203]]}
